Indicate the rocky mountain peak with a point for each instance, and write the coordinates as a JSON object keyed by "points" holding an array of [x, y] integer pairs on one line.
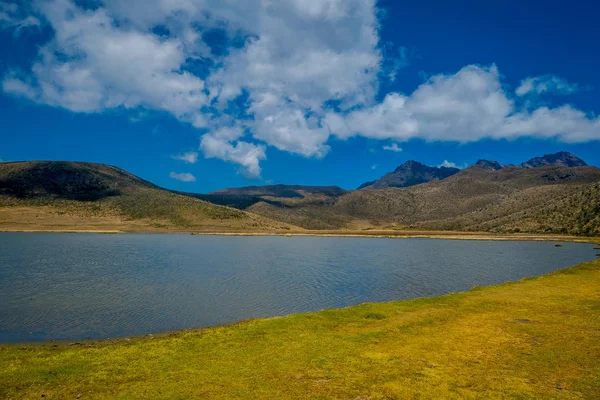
{"points": [[561, 159], [487, 164]]}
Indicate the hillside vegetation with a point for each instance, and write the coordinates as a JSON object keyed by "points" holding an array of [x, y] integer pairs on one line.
{"points": [[553, 199], [556, 193], [81, 196], [536, 338]]}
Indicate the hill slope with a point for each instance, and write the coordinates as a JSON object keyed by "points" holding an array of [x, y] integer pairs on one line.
{"points": [[482, 197], [43, 195]]}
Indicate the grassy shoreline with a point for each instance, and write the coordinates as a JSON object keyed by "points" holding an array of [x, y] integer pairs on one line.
{"points": [[391, 234], [535, 338]]}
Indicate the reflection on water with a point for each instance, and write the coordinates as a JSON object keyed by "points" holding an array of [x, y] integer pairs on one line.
{"points": [[74, 286]]}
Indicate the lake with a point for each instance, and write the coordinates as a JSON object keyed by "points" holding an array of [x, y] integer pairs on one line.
{"points": [[78, 286]]}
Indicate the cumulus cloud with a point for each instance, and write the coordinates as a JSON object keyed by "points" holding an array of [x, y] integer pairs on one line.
{"points": [[393, 147], [289, 57], [246, 154], [183, 177], [92, 65], [463, 107], [546, 83], [191, 157], [448, 164], [297, 71]]}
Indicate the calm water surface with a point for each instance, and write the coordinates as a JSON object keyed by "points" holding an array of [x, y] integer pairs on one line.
{"points": [[76, 286]]}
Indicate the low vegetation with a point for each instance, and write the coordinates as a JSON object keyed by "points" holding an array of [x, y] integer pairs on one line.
{"points": [[80, 196], [538, 200], [537, 338], [547, 199]]}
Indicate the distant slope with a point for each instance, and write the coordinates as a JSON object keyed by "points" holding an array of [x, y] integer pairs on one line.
{"points": [[483, 197], [73, 195], [281, 191], [409, 174], [244, 197]]}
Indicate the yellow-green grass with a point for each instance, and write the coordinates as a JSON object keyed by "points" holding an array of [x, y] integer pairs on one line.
{"points": [[537, 338]]}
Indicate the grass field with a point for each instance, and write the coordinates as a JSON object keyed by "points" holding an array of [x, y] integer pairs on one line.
{"points": [[537, 338]]}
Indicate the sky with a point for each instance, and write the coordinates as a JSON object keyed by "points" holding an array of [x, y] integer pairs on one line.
{"points": [[199, 95]]}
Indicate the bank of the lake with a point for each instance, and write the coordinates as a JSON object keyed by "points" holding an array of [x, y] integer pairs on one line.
{"points": [[536, 338], [75, 286], [373, 233]]}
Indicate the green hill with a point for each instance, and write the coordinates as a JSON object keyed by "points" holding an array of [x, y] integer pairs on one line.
{"points": [[80, 196]]}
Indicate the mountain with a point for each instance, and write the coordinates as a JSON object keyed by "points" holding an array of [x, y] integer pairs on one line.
{"points": [[483, 197], [511, 199], [414, 173], [245, 197], [486, 196], [561, 159], [53, 195], [281, 191], [66, 180], [409, 174], [486, 164]]}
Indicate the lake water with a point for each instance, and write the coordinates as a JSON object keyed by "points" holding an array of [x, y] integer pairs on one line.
{"points": [[77, 286]]}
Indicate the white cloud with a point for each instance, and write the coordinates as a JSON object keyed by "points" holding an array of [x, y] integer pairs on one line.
{"points": [[246, 154], [298, 71], [464, 107], [12, 83], [547, 83], [374, 166], [183, 177], [297, 55], [393, 147], [393, 63], [13, 16], [191, 157], [92, 65], [448, 164]]}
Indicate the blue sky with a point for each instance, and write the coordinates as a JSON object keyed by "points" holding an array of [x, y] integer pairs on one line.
{"points": [[299, 92]]}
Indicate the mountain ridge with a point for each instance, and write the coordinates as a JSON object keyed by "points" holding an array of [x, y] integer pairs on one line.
{"points": [[414, 173], [485, 196], [562, 158], [408, 174]]}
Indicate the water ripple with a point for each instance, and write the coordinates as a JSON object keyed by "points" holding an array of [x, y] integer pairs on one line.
{"points": [[74, 286]]}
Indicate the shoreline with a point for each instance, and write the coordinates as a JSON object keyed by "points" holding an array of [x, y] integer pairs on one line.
{"points": [[178, 332], [529, 338], [386, 234]]}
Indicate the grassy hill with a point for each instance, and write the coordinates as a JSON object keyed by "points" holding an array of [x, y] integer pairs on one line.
{"points": [[553, 199], [85, 196], [42, 195]]}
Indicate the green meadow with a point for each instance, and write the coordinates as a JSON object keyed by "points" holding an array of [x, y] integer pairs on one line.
{"points": [[536, 338]]}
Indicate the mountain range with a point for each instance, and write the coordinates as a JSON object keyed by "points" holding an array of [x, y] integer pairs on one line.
{"points": [[555, 193], [413, 172]]}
